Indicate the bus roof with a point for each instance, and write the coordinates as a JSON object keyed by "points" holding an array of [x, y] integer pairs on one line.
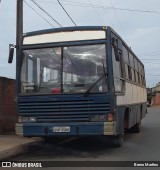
{"points": [[61, 29], [79, 28]]}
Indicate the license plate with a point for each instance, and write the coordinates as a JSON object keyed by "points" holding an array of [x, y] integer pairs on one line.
{"points": [[61, 129]]}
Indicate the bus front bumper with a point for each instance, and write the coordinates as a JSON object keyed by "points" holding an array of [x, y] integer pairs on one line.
{"points": [[73, 129]]}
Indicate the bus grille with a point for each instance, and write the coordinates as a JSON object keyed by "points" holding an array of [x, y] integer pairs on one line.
{"points": [[62, 111]]}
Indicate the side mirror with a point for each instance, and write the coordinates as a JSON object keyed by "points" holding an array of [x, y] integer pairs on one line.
{"points": [[115, 46], [117, 56], [11, 53]]}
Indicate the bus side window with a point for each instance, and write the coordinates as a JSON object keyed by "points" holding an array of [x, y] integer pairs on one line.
{"points": [[117, 73], [126, 61], [126, 70]]}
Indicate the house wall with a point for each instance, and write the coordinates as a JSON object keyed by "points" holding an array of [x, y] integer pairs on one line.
{"points": [[7, 105], [156, 100], [156, 88]]}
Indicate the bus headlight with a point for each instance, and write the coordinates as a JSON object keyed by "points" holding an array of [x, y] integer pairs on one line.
{"points": [[98, 118], [25, 119], [102, 117], [95, 118], [29, 119], [32, 119]]}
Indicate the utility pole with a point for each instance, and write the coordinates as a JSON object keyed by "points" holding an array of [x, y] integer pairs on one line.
{"points": [[19, 24], [19, 32]]}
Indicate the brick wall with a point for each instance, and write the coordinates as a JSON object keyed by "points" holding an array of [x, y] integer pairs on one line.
{"points": [[7, 105], [156, 100]]}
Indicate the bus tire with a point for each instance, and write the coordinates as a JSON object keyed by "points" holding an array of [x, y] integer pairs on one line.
{"points": [[137, 128], [118, 140]]}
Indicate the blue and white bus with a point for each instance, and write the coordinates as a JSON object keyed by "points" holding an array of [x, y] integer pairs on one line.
{"points": [[78, 81]]}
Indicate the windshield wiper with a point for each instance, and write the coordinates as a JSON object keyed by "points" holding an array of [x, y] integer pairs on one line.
{"points": [[91, 87]]}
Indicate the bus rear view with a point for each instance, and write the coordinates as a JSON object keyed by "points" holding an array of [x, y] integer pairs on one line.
{"points": [[65, 84]]}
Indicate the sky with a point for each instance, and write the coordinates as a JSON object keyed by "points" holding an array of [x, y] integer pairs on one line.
{"points": [[139, 26]]}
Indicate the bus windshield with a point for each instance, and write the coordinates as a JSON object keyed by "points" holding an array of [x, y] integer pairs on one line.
{"points": [[71, 69]]}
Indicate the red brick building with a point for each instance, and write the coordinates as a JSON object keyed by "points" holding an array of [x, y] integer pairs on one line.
{"points": [[156, 100], [7, 105], [156, 95]]}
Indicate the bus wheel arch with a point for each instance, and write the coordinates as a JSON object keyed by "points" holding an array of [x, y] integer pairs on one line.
{"points": [[126, 118], [141, 111], [137, 127]]}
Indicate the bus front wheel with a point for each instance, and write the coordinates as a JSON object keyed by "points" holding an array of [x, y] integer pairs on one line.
{"points": [[118, 140]]}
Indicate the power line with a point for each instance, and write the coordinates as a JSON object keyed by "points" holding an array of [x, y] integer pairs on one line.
{"points": [[106, 14], [96, 12], [119, 21], [150, 53], [102, 6], [66, 12], [156, 59], [150, 64], [39, 14], [42, 9], [151, 75]]}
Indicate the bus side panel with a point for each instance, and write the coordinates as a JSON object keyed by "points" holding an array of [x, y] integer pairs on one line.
{"points": [[137, 113], [133, 113], [144, 110]]}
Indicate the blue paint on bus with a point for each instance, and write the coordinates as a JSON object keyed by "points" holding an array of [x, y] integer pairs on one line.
{"points": [[75, 110]]}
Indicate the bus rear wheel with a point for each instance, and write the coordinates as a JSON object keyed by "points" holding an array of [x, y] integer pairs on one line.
{"points": [[136, 128]]}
